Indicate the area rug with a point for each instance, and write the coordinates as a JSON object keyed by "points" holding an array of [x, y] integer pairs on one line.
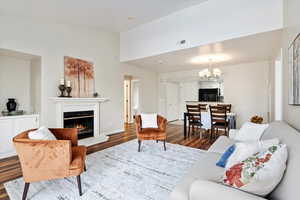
{"points": [[119, 173]]}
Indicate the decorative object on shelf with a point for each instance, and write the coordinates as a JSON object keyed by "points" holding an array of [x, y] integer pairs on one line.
{"points": [[69, 90], [11, 105], [257, 119], [95, 94], [81, 75], [210, 73], [62, 88], [294, 72]]}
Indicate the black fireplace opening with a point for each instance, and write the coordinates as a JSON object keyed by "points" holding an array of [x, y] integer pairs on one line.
{"points": [[82, 120]]}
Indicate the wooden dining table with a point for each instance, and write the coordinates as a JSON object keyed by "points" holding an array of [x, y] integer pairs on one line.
{"points": [[206, 121]]}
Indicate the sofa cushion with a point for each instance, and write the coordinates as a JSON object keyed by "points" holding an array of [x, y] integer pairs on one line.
{"points": [[204, 169], [42, 133], [221, 144], [244, 150], [149, 120], [251, 132], [225, 156], [260, 173]]}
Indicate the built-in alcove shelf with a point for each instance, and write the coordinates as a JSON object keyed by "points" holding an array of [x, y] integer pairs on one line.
{"points": [[67, 105]]}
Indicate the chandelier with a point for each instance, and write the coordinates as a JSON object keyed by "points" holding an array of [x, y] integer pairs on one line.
{"points": [[210, 73]]}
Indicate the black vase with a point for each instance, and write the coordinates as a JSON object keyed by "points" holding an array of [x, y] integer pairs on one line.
{"points": [[11, 105]]}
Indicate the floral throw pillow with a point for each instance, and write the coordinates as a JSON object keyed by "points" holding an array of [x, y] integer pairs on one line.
{"points": [[260, 173]]}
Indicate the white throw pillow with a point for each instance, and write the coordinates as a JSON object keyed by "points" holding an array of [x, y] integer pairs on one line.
{"points": [[260, 173], [42, 133], [251, 132], [149, 120], [245, 149]]}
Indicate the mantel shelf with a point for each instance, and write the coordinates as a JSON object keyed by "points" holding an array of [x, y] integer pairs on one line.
{"points": [[67, 99]]}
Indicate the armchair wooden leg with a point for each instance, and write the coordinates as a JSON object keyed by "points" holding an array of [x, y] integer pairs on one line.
{"points": [[25, 191], [84, 167], [156, 141], [165, 145], [79, 185], [139, 149]]}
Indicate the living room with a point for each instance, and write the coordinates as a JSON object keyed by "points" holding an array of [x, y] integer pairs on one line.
{"points": [[177, 50]]}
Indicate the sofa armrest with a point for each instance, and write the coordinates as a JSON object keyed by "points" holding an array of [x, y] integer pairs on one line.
{"points": [[233, 133], [211, 191]]}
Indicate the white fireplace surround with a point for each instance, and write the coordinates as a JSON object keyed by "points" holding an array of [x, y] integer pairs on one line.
{"points": [[81, 104]]}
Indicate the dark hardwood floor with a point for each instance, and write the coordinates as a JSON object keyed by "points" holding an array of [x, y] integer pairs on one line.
{"points": [[10, 168]]}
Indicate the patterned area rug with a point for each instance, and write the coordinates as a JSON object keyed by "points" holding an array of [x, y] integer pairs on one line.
{"points": [[119, 173]]}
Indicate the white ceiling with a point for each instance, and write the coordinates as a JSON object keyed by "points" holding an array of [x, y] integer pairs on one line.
{"points": [[107, 14], [254, 48]]}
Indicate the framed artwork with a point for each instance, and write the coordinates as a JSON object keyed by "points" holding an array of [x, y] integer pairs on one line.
{"points": [[294, 72], [81, 74]]}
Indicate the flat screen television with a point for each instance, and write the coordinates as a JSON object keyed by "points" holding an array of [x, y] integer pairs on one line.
{"points": [[209, 94]]}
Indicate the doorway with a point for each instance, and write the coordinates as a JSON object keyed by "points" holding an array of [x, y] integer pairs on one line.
{"points": [[131, 98]]}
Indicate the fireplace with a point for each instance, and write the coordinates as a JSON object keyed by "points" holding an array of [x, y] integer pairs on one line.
{"points": [[82, 120], [81, 113]]}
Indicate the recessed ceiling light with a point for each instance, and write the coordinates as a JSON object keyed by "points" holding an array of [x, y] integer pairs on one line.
{"points": [[210, 58]]}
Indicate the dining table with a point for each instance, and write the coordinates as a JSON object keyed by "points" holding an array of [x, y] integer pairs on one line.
{"points": [[206, 121]]}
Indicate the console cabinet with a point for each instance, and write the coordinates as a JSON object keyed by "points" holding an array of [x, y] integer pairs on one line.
{"points": [[10, 126]]}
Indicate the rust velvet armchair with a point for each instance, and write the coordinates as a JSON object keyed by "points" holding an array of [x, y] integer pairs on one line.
{"points": [[158, 134], [50, 159]]}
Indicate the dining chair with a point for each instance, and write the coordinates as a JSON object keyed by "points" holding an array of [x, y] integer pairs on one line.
{"points": [[203, 107], [194, 117], [218, 115], [227, 106]]}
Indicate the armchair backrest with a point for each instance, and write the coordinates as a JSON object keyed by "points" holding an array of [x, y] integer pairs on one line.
{"points": [[43, 159], [66, 134], [161, 123]]}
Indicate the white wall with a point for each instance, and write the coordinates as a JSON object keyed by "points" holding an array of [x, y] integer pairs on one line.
{"points": [[35, 82], [54, 41], [278, 83], [292, 28], [15, 82], [246, 87], [188, 92], [206, 23]]}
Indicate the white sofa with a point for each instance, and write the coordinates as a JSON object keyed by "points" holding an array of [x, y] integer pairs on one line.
{"points": [[201, 181]]}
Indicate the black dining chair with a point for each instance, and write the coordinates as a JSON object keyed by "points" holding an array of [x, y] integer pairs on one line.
{"points": [[227, 106], [218, 115], [194, 117], [203, 107]]}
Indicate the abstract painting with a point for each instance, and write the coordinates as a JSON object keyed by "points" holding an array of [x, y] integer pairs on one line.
{"points": [[294, 72], [81, 74]]}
